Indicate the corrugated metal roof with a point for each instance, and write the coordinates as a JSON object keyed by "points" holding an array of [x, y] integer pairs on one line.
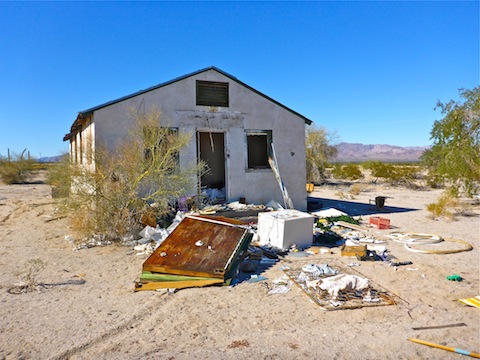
{"points": [[85, 113]]}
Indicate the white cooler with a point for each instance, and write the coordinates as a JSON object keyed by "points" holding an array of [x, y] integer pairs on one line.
{"points": [[283, 228]]}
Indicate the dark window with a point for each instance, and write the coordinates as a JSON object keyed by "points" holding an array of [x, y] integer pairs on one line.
{"points": [[258, 149], [211, 93]]}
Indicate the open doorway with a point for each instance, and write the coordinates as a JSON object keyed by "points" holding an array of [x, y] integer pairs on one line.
{"points": [[211, 149]]}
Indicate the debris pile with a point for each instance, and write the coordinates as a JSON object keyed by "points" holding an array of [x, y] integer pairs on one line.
{"points": [[200, 251], [334, 288]]}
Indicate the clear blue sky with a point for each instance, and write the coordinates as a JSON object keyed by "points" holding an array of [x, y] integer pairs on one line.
{"points": [[370, 71]]}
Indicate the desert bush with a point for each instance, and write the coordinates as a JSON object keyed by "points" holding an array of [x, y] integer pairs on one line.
{"points": [[16, 170], [141, 175], [356, 189], [368, 165], [348, 171], [345, 195], [394, 174], [444, 207], [28, 275], [59, 176]]}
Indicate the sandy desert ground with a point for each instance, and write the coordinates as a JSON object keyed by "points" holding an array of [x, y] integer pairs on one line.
{"points": [[102, 317]]}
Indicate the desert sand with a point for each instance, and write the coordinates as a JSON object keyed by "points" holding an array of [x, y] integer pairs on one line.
{"points": [[103, 318]]}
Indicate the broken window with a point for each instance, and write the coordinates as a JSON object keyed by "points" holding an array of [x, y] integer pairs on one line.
{"points": [[212, 93], [258, 148]]}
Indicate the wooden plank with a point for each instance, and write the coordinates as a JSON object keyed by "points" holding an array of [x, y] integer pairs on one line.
{"points": [[154, 285], [149, 276], [179, 254]]}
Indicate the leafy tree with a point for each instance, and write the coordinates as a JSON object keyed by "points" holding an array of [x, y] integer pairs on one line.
{"points": [[320, 149], [454, 157]]}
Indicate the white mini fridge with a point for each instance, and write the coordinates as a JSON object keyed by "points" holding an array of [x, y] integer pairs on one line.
{"points": [[283, 228]]}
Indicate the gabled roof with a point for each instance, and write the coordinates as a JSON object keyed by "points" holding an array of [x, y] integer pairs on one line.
{"points": [[83, 115]]}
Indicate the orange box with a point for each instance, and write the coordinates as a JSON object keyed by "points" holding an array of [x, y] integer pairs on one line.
{"points": [[379, 222]]}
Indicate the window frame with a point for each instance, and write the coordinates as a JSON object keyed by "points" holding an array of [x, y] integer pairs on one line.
{"points": [[219, 94], [269, 140]]}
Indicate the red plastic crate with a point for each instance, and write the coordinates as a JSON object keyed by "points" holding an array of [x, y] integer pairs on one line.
{"points": [[379, 222]]}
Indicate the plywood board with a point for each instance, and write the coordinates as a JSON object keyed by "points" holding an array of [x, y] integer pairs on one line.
{"points": [[180, 255]]}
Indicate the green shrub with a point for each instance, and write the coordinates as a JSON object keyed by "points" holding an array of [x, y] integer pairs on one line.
{"points": [[348, 171], [59, 176], [16, 170], [394, 174], [444, 206], [140, 177]]}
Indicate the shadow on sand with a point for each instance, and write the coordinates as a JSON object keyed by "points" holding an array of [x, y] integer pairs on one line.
{"points": [[353, 208]]}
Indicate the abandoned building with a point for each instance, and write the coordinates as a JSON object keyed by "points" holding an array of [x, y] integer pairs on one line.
{"points": [[233, 127]]}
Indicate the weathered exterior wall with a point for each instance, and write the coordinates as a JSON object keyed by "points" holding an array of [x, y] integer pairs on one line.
{"points": [[247, 111]]}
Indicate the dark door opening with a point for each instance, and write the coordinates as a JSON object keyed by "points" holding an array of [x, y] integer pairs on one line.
{"points": [[211, 149]]}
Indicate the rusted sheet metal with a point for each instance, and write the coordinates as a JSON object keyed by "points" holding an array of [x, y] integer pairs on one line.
{"points": [[199, 246]]}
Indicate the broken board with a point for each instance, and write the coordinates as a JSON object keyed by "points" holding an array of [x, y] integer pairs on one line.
{"points": [[200, 247]]}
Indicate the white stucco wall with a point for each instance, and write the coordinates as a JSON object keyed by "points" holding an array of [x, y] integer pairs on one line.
{"points": [[247, 111]]}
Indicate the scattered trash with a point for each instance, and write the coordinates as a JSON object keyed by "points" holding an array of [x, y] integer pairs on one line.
{"points": [[315, 250], [414, 238], [467, 247], [439, 326], [233, 206], [282, 289], [473, 301], [350, 226], [256, 278], [341, 291], [96, 240], [370, 256], [280, 285], [272, 204], [335, 284], [309, 187], [379, 222], [328, 213], [358, 250], [180, 263], [369, 297], [400, 263], [454, 277], [283, 228], [456, 350], [316, 270]]}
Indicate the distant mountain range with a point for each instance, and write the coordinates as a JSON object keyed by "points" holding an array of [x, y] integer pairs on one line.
{"points": [[351, 152], [49, 159]]}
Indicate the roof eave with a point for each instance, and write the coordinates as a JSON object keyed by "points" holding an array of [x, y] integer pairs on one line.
{"points": [[85, 113]]}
